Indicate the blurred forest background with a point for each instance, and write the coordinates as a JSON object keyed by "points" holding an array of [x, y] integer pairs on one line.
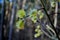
{"points": [[29, 19]]}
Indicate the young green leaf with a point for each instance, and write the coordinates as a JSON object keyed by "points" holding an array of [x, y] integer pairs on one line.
{"points": [[33, 15], [21, 13], [38, 32], [53, 4], [20, 24], [40, 13]]}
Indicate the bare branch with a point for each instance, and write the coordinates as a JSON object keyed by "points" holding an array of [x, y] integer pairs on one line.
{"points": [[55, 16]]}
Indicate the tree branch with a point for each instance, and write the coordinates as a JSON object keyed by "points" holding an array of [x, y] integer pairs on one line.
{"points": [[49, 19], [55, 16]]}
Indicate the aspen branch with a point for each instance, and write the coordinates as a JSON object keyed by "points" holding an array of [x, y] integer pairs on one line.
{"points": [[55, 16]]}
